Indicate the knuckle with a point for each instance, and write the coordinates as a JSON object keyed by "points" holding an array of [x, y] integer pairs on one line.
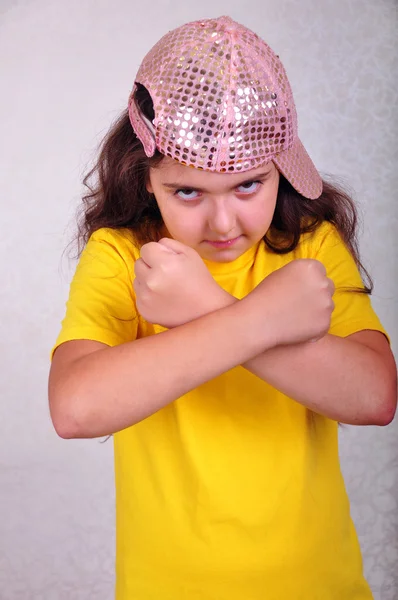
{"points": [[167, 266], [152, 284], [147, 248]]}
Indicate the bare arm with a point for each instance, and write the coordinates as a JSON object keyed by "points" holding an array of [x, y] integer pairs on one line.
{"points": [[95, 390], [352, 380]]}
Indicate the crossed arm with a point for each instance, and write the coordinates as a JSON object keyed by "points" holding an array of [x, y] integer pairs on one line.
{"points": [[96, 390], [352, 380]]}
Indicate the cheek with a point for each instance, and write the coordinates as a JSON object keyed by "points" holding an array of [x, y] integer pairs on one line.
{"points": [[259, 218], [267, 207], [184, 224]]}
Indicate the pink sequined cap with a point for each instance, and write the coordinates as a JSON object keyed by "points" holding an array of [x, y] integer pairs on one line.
{"points": [[222, 102]]}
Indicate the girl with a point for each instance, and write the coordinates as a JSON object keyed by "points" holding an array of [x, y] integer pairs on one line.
{"points": [[209, 226]]}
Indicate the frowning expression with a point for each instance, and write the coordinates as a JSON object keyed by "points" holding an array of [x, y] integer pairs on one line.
{"points": [[220, 215]]}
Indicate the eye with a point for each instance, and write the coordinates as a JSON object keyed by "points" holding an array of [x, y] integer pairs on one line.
{"points": [[249, 187], [187, 194]]}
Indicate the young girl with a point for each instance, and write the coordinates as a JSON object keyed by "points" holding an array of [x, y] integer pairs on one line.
{"points": [[209, 226]]}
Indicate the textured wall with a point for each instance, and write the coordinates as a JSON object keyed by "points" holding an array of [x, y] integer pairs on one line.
{"points": [[66, 71]]}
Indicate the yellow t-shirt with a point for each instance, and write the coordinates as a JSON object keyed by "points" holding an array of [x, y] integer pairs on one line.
{"points": [[230, 492]]}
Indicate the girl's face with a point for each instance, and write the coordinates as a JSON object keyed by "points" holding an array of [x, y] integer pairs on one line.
{"points": [[220, 215]]}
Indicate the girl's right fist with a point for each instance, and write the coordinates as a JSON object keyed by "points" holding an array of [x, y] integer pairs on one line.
{"points": [[296, 302]]}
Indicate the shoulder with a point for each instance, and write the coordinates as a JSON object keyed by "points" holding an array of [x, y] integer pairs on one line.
{"points": [[323, 238], [112, 246], [317, 244], [101, 304], [122, 240], [327, 245]]}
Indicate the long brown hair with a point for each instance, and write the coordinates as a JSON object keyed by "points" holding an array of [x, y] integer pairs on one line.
{"points": [[117, 198]]}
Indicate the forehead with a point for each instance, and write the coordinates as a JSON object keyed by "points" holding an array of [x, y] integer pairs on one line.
{"points": [[169, 171]]}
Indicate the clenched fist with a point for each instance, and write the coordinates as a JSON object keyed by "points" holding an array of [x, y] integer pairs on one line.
{"points": [[173, 285], [295, 302]]}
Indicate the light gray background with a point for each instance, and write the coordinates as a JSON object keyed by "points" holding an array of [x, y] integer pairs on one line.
{"points": [[66, 72]]}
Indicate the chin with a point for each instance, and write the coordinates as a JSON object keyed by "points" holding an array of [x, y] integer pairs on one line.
{"points": [[224, 256]]}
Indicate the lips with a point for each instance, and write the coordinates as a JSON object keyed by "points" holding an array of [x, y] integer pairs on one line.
{"points": [[223, 243]]}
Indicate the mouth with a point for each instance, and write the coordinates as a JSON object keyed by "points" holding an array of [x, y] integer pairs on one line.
{"points": [[223, 243]]}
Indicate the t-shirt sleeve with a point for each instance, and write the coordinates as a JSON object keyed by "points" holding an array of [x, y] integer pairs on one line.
{"points": [[353, 310], [101, 303]]}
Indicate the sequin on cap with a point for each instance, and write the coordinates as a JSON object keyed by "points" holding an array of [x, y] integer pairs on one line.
{"points": [[222, 103]]}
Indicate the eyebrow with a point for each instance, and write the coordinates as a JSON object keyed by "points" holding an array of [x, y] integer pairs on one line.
{"points": [[182, 186]]}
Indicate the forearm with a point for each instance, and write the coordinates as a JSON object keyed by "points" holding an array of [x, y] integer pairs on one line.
{"points": [[336, 377], [113, 388]]}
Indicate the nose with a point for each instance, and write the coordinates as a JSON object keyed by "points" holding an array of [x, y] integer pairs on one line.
{"points": [[222, 217]]}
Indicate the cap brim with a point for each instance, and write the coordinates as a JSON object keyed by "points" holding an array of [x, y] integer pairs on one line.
{"points": [[297, 167]]}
